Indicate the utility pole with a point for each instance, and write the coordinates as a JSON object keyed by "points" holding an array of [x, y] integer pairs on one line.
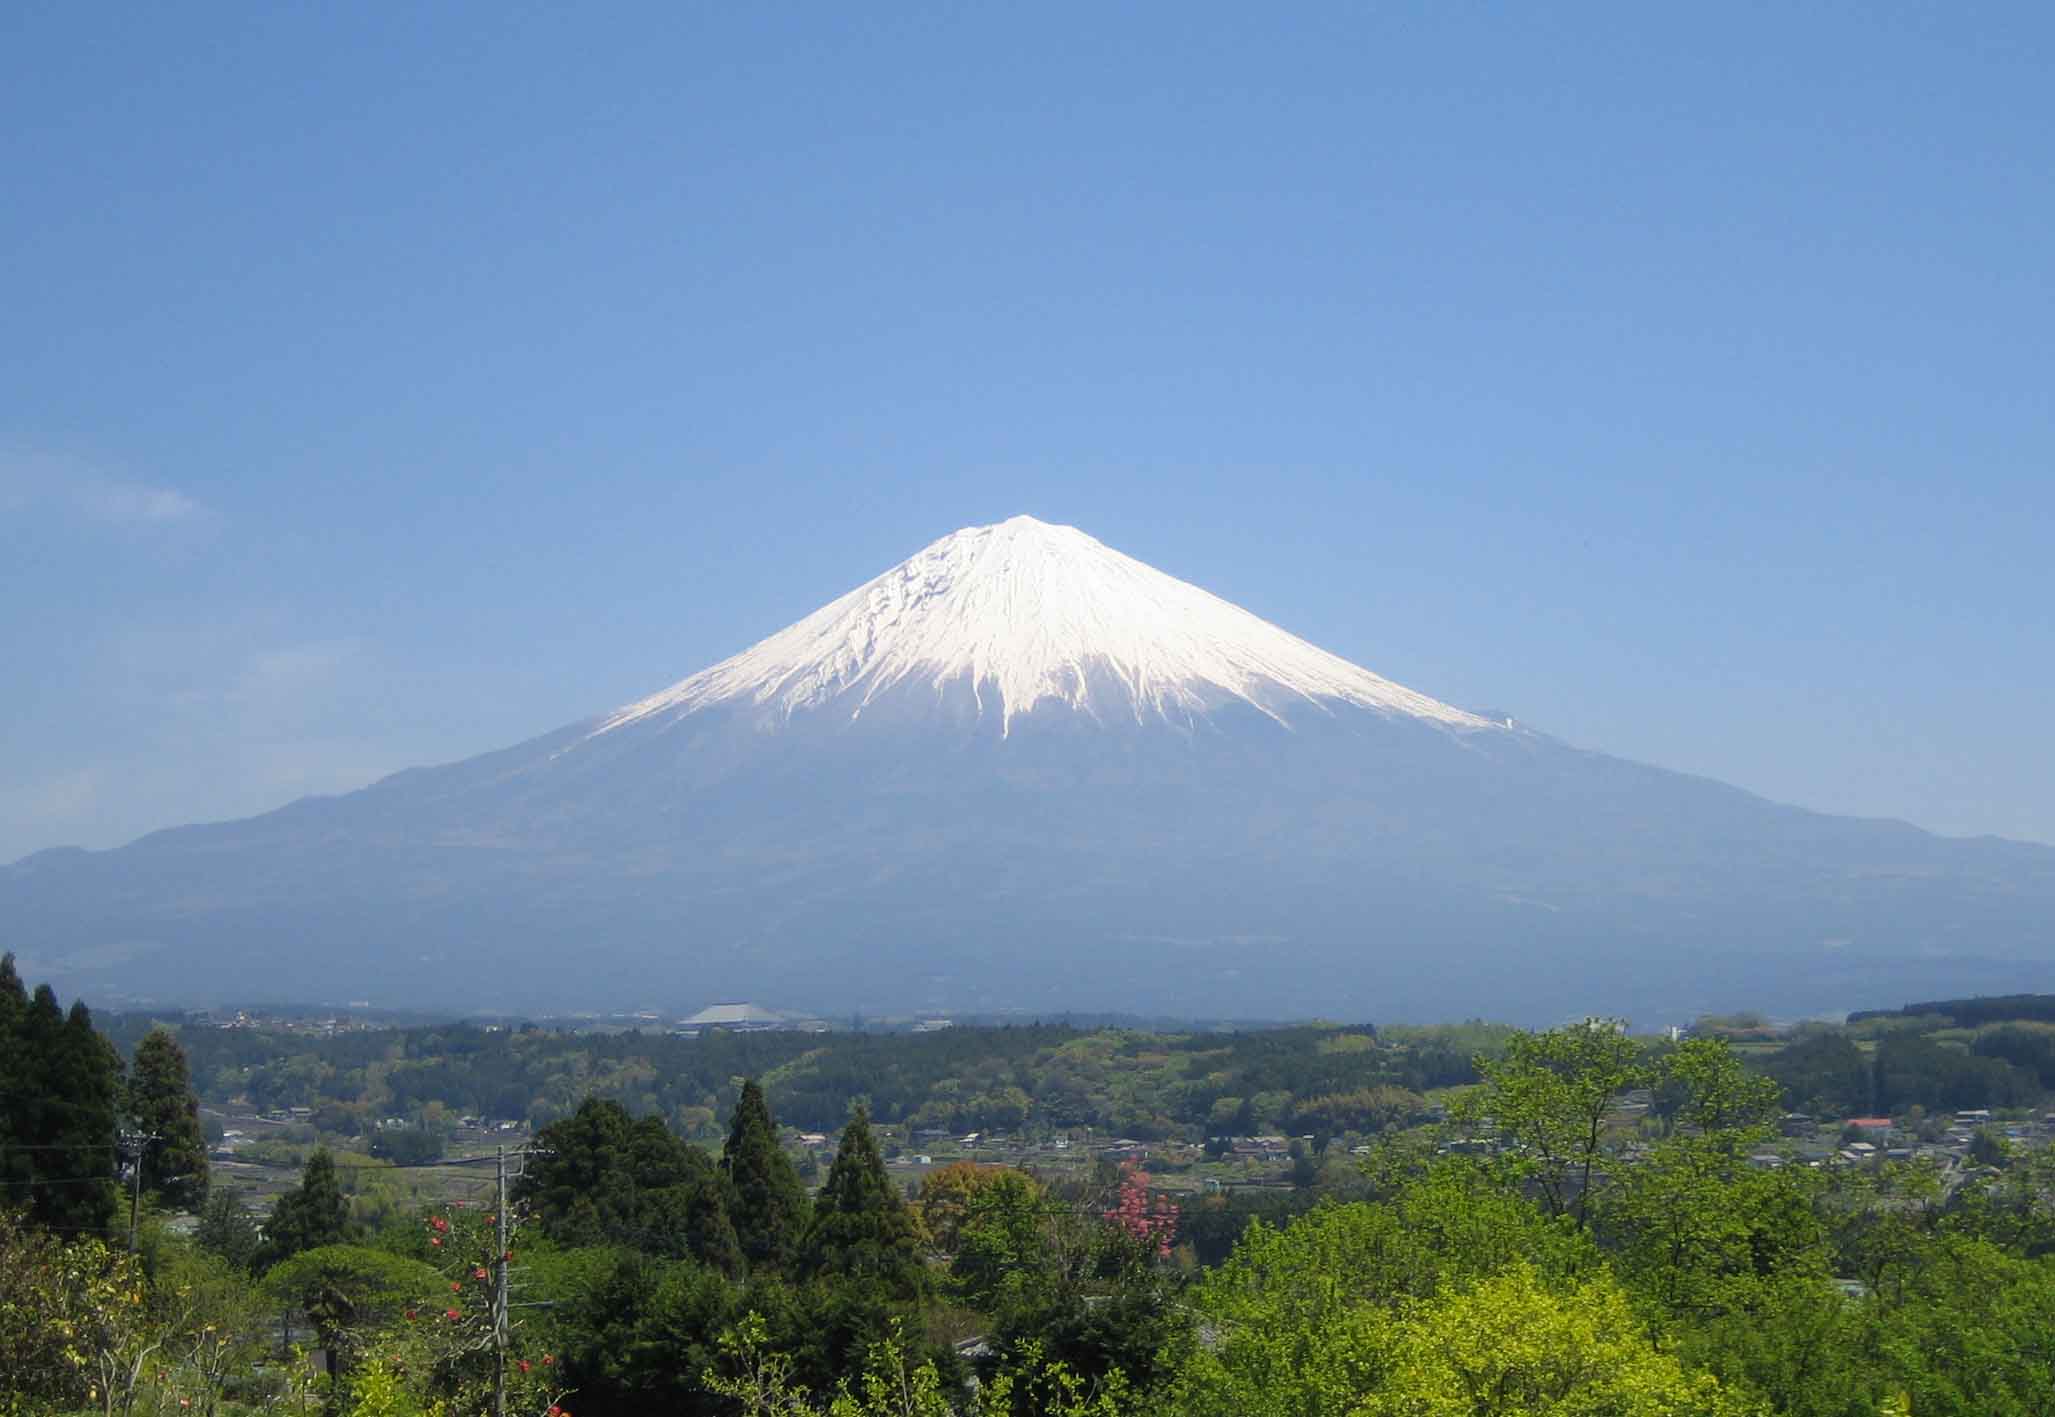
{"points": [[132, 1145], [499, 1288]]}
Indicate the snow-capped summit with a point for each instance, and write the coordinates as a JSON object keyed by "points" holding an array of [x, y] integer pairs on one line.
{"points": [[1009, 616], [833, 820]]}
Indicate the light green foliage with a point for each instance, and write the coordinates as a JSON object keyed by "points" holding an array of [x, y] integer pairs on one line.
{"points": [[1549, 1097], [381, 1390], [1293, 1323], [1004, 1236], [74, 1322], [1713, 1091], [348, 1293], [1699, 1231], [760, 1384], [212, 1317], [1967, 1333], [1511, 1346], [1298, 1321]]}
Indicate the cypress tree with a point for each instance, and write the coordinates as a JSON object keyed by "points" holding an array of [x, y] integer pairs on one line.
{"points": [[16, 1093], [861, 1225], [74, 1078], [764, 1199], [161, 1101], [709, 1234], [312, 1214]]}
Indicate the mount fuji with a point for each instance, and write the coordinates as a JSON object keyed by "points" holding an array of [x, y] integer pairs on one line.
{"points": [[1023, 771]]}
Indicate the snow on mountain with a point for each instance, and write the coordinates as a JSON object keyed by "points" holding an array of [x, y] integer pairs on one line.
{"points": [[1024, 612]]}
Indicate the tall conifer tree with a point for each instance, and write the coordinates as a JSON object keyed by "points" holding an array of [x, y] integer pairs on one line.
{"points": [[75, 1075], [765, 1201], [161, 1102], [16, 1095], [312, 1214], [861, 1225]]}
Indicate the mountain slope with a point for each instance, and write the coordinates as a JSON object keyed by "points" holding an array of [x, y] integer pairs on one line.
{"points": [[1022, 770]]}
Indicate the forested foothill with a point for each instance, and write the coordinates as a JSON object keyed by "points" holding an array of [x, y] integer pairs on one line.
{"points": [[1748, 1219]]}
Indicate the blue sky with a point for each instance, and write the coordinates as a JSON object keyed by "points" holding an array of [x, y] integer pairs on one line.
{"points": [[380, 385]]}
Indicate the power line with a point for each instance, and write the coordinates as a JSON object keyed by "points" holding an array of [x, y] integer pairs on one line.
{"points": [[8, 1148], [57, 1180]]}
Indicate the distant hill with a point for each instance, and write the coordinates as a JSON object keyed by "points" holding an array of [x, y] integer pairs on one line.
{"points": [[1974, 1013]]}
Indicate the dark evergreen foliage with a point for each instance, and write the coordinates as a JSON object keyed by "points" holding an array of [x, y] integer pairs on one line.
{"points": [[313, 1214], [15, 1090], [161, 1102], [1825, 1074], [765, 1201], [2032, 1049], [861, 1226], [1912, 1069], [58, 1109], [601, 1177]]}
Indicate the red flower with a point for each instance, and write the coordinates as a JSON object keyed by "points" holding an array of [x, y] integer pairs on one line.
{"points": [[524, 1365], [410, 1316], [451, 1314], [478, 1273], [434, 1241], [455, 1287], [547, 1360]]}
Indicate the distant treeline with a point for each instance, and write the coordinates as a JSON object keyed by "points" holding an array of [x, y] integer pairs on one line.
{"points": [[1972, 1013], [2005, 1064], [1149, 1085]]}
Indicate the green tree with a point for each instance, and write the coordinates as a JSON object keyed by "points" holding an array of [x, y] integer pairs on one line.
{"points": [[1512, 1347], [861, 1225], [1299, 1318], [347, 1293], [312, 1215], [1550, 1096], [17, 1096], [59, 1082], [161, 1102], [228, 1229], [75, 1077], [601, 1177], [1702, 1079], [1702, 1232], [765, 1201], [998, 1232], [213, 1320]]}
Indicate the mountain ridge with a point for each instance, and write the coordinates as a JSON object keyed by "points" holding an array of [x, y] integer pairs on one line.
{"points": [[946, 800]]}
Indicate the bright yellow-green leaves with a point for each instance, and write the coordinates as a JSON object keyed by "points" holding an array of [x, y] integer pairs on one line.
{"points": [[1511, 1346]]}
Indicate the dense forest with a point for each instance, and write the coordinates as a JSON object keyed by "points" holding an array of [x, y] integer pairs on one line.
{"points": [[1146, 1085], [1578, 1220]]}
